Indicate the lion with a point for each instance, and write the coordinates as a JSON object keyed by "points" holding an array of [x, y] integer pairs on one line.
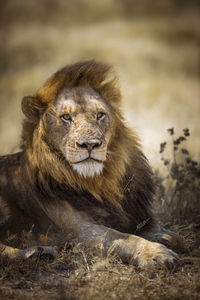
{"points": [[81, 174]]}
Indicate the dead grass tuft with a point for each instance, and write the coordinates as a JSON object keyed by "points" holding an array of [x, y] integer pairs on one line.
{"points": [[179, 190]]}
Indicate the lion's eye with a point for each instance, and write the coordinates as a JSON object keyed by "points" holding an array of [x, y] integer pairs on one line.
{"points": [[101, 116], [66, 118]]}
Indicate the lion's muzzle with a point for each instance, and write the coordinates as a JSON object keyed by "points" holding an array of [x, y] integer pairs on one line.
{"points": [[89, 145], [87, 157]]}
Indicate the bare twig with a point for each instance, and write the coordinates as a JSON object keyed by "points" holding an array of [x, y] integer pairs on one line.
{"points": [[128, 183], [85, 260], [151, 280]]}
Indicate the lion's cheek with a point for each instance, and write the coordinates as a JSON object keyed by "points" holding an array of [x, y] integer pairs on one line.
{"points": [[109, 132]]}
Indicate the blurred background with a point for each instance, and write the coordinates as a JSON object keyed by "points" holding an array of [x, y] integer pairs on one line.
{"points": [[153, 45]]}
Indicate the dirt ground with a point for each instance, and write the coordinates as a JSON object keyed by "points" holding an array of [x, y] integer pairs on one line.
{"points": [[155, 50]]}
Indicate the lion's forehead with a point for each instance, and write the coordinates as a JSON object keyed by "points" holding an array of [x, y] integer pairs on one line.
{"points": [[79, 100], [67, 105]]}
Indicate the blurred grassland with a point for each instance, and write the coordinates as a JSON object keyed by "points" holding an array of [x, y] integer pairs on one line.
{"points": [[153, 46]]}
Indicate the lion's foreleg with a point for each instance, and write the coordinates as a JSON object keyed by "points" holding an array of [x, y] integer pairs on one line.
{"points": [[11, 252], [14, 253], [129, 248]]}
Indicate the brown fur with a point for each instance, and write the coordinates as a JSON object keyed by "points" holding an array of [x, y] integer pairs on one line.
{"points": [[40, 188]]}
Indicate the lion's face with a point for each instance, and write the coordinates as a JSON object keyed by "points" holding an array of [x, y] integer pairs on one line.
{"points": [[80, 125]]}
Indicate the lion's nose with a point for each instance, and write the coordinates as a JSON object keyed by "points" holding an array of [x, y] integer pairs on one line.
{"points": [[89, 145]]}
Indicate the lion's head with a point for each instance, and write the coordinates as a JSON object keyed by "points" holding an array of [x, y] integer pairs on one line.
{"points": [[79, 124], [74, 132]]}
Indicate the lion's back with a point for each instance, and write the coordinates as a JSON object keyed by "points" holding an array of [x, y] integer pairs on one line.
{"points": [[9, 164]]}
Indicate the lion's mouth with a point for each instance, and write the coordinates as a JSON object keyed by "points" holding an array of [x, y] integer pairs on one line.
{"points": [[89, 159], [80, 157]]}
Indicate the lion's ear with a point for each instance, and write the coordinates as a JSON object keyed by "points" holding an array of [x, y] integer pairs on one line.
{"points": [[32, 108]]}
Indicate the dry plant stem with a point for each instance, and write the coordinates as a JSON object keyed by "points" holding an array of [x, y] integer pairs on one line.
{"points": [[151, 280], [129, 182], [181, 188], [174, 154]]}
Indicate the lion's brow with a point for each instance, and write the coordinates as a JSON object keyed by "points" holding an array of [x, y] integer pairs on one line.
{"points": [[69, 105]]}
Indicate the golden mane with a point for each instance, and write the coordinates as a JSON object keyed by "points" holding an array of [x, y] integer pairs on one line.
{"points": [[124, 143], [99, 76]]}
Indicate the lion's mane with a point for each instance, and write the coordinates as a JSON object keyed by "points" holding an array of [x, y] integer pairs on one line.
{"points": [[126, 172]]}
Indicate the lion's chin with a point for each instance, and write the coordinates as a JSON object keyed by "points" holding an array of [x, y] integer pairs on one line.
{"points": [[88, 168]]}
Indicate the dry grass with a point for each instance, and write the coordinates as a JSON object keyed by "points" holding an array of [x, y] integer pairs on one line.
{"points": [[157, 58], [78, 274]]}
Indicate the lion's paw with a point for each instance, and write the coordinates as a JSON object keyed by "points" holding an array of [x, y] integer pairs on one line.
{"points": [[40, 251], [143, 253], [153, 254]]}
